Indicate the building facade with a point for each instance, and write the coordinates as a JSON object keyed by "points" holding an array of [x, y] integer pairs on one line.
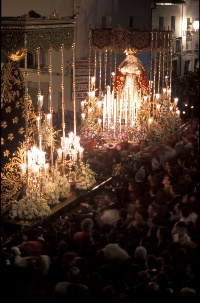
{"points": [[142, 14]]}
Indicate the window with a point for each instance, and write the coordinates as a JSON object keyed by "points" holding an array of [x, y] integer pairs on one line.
{"points": [[196, 64], [178, 44], [161, 23], [173, 20], [187, 66]]}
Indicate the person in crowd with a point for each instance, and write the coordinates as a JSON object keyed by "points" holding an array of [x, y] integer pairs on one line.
{"points": [[185, 212], [161, 202], [164, 239], [167, 182], [91, 252], [118, 260], [180, 235], [82, 238], [140, 256], [151, 265], [56, 270], [152, 212], [175, 213]]}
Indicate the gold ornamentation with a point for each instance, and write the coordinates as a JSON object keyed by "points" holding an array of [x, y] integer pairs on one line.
{"points": [[54, 16], [4, 124], [8, 109], [130, 51], [15, 120], [17, 105], [13, 138], [19, 55], [10, 137], [21, 131], [6, 153], [118, 39], [54, 34]]}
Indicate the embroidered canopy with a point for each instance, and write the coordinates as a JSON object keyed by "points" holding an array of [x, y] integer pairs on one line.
{"points": [[119, 39]]}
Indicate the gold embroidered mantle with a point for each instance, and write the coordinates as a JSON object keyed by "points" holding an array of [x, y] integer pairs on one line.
{"points": [[13, 114]]}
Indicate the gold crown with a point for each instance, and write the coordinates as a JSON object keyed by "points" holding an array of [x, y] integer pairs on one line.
{"points": [[130, 51]]}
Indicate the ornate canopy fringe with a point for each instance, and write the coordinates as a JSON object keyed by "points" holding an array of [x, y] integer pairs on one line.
{"points": [[119, 39], [43, 32]]}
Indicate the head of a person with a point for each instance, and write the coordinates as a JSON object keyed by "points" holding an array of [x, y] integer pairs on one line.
{"points": [[184, 211], [181, 228], [140, 253], [141, 214], [167, 179], [87, 225], [163, 233], [152, 209]]}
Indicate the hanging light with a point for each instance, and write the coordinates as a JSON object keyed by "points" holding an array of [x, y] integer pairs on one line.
{"points": [[196, 25]]}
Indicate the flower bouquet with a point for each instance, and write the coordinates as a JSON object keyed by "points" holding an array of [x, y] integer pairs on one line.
{"points": [[30, 207], [85, 177]]}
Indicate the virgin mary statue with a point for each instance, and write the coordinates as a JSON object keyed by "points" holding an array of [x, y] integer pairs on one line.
{"points": [[131, 82], [131, 76]]}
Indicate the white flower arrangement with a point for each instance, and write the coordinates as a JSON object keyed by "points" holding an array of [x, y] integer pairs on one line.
{"points": [[62, 185], [85, 176], [56, 188], [30, 207], [50, 193]]}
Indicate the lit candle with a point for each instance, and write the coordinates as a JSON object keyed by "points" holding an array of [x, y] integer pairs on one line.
{"points": [[83, 116], [81, 149], [76, 142], [46, 169], [115, 109], [38, 123], [23, 169], [40, 100], [99, 104], [168, 92], [92, 82], [49, 119], [74, 155], [59, 154], [36, 170], [158, 106]]}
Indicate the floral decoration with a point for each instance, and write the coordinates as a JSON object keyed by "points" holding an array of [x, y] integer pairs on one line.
{"points": [[85, 176], [57, 189], [30, 207]]}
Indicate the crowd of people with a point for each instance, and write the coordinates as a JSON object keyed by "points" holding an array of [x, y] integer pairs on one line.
{"points": [[139, 242]]}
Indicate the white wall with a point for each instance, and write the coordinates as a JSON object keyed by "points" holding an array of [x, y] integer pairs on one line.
{"points": [[42, 7]]}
